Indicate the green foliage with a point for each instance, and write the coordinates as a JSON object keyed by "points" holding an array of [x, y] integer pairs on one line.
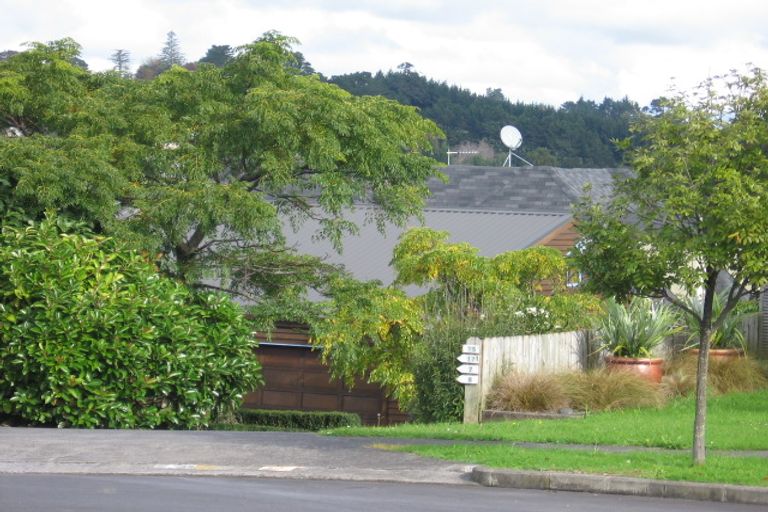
{"points": [[694, 205], [299, 420], [737, 422], [438, 396], [410, 345], [372, 332], [218, 55], [171, 54], [730, 333], [693, 209], [92, 336], [204, 167], [636, 329], [577, 134], [657, 465]]}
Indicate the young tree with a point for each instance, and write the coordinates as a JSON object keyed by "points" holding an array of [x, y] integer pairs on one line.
{"points": [[171, 53], [122, 61], [379, 333], [692, 210]]}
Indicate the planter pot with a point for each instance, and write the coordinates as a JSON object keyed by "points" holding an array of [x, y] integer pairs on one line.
{"points": [[720, 354], [647, 368]]}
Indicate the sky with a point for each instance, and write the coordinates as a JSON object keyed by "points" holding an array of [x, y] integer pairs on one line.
{"points": [[545, 51]]}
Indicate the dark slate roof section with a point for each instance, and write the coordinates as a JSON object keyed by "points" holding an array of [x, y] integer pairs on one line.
{"points": [[368, 254], [517, 189]]}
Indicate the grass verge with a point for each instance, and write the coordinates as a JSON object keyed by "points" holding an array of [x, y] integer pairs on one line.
{"points": [[737, 421], [647, 464]]}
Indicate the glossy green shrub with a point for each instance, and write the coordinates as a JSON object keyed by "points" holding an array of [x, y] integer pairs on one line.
{"points": [[92, 336]]}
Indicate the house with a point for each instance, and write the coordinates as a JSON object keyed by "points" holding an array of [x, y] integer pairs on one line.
{"points": [[496, 209]]}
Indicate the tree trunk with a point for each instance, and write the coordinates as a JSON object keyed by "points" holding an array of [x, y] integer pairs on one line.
{"points": [[705, 334], [699, 423]]}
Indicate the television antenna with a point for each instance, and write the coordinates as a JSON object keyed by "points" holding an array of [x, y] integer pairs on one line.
{"points": [[512, 138], [449, 153]]}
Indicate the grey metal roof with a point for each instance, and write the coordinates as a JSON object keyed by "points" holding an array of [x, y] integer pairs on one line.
{"points": [[518, 189], [367, 255]]}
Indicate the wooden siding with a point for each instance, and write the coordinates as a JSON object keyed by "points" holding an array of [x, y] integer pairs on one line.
{"points": [[296, 379], [562, 238]]}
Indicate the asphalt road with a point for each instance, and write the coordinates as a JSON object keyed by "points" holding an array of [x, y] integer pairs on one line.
{"points": [[86, 493], [189, 453]]}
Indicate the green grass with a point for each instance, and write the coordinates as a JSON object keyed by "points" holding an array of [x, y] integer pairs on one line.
{"points": [[737, 421], [660, 466]]}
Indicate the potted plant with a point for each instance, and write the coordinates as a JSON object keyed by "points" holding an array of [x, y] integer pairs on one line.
{"points": [[727, 341], [631, 333]]}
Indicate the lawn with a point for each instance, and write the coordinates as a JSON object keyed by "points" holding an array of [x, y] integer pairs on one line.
{"points": [[647, 464], [737, 421]]}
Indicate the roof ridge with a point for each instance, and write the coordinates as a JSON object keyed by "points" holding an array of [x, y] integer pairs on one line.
{"points": [[369, 206]]}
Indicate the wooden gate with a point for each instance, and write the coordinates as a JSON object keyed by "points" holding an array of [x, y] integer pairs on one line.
{"points": [[296, 379]]}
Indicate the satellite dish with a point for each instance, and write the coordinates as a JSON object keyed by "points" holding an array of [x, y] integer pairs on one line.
{"points": [[511, 137]]}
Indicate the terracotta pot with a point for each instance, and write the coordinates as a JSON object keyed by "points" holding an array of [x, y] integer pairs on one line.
{"points": [[720, 354], [647, 368]]}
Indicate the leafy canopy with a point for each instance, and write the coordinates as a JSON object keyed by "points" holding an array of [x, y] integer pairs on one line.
{"points": [[206, 167], [694, 206]]}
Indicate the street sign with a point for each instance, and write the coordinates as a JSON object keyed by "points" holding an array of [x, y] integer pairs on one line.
{"points": [[468, 379], [469, 358], [470, 349], [471, 369]]}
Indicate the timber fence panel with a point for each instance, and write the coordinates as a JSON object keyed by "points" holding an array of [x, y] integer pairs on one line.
{"points": [[528, 354]]}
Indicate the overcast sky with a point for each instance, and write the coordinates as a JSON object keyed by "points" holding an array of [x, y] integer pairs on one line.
{"points": [[547, 51]]}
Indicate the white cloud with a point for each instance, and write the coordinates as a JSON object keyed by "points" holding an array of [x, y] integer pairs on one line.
{"points": [[548, 51]]}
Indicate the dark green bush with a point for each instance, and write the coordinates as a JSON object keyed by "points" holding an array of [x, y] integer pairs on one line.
{"points": [[299, 420], [439, 397], [92, 336]]}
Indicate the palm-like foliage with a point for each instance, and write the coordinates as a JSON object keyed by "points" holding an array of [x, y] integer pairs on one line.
{"points": [[636, 329], [730, 333]]}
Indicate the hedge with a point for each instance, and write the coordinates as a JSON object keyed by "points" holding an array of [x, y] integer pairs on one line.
{"points": [[298, 420]]}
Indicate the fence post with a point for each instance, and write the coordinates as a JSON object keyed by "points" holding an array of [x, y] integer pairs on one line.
{"points": [[473, 393]]}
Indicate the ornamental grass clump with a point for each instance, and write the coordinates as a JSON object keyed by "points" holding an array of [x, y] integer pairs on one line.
{"points": [[534, 392], [597, 390], [604, 390], [724, 376], [635, 330]]}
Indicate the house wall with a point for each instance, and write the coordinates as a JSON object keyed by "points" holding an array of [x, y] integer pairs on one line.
{"points": [[563, 238]]}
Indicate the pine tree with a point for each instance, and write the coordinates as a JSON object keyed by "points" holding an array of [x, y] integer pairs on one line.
{"points": [[171, 52], [122, 60]]}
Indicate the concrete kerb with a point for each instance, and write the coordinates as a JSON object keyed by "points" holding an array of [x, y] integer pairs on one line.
{"points": [[553, 481]]}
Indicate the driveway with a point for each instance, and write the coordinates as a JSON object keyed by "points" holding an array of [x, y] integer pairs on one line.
{"points": [[163, 452]]}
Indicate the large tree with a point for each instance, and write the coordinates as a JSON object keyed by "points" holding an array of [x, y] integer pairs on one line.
{"points": [[693, 211], [205, 168]]}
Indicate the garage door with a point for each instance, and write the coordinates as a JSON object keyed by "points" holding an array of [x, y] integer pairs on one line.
{"points": [[296, 379]]}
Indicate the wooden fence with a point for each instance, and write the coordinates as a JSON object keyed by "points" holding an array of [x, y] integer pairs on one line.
{"points": [[544, 352], [561, 351]]}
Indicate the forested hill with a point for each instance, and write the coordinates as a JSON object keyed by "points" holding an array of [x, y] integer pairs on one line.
{"points": [[577, 134]]}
